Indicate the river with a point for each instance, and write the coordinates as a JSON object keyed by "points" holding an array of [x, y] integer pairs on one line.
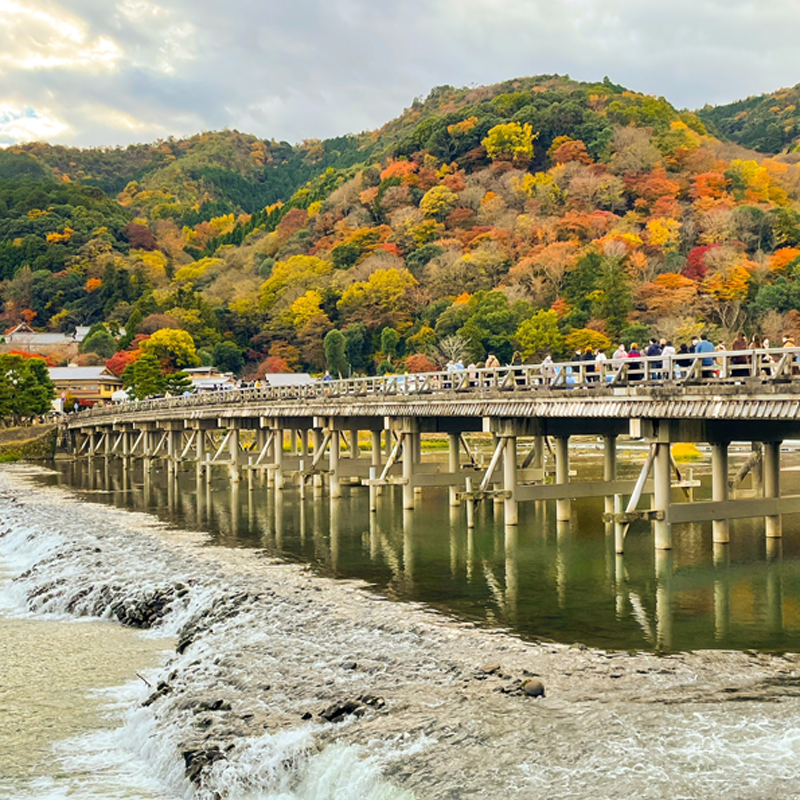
{"points": [[416, 639]]}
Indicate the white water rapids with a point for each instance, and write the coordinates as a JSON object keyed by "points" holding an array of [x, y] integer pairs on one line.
{"points": [[264, 647]]}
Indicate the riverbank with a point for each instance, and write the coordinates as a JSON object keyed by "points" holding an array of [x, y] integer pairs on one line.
{"points": [[284, 684]]}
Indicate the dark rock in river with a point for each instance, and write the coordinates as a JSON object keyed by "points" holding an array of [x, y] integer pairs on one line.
{"points": [[197, 760], [533, 688]]}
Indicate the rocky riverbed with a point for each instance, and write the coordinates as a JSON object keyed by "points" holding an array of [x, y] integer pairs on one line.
{"points": [[284, 684]]}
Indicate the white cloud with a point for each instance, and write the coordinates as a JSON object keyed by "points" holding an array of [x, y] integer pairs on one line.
{"points": [[26, 125], [315, 68], [34, 37]]}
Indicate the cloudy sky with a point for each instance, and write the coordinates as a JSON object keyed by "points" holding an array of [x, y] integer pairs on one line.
{"points": [[106, 72]]}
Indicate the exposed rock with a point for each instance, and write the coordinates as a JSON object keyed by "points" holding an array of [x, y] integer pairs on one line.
{"points": [[491, 668], [533, 687], [197, 760]]}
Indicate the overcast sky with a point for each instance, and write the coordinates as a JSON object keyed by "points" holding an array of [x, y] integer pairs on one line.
{"points": [[106, 72]]}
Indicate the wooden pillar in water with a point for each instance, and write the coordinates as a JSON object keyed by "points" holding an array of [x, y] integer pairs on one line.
{"points": [[277, 449], [662, 488], [453, 466], [316, 438], [563, 507], [719, 489], [233, 450], [772, 486], [609, 468], [408, 469], [376, 449], [511, 507], [333, 466]]}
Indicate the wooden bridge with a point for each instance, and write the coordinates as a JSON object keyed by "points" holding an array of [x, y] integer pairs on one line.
{"points": [[310, 433]]}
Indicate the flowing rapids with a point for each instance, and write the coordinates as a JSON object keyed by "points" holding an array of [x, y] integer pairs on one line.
{"points": [[286, 685]]}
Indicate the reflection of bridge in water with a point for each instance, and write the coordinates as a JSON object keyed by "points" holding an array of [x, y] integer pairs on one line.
{"points": [[534, 578], [310, 433]]}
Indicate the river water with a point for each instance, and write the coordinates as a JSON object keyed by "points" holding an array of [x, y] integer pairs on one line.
{"points": [[267, 643]]}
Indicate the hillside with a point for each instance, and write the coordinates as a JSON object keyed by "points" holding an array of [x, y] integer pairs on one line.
{"points": [[541, 214], [769, 123]]}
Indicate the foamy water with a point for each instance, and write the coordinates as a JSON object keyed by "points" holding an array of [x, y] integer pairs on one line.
{"points": [[265, 644]]}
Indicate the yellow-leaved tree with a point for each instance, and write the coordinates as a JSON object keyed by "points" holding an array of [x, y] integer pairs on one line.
{"points": [[381, 300], [510, 141], [174, 348]]}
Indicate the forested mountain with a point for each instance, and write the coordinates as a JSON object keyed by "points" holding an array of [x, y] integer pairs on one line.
{"points": [[541, 214], [769, 123]]}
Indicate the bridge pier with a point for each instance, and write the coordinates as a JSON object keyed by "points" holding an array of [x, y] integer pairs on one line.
{"points": [[662, 489], [609, 469], [772, 486], [719, 489], [453, 465], [334, 479], [563, 507]]}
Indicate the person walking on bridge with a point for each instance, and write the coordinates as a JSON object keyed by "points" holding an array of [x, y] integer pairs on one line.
{"points": [[704, 346]]}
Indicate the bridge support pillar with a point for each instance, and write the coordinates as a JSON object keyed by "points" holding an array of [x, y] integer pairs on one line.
{"points": [[609, 468], [200, 450], [317, 438], [376, 448], [409, 452], [233, 450], [772, 486], [662, 489], [304, 442], [563, 507], [511, 507], [453, 465], [277, 452], [719, 489], [126, 444], [354, 452], [335, 481]]}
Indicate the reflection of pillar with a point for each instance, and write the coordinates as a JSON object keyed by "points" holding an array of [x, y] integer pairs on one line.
{"points": [[772, 485], [609, 468], [408, 470], [510, 480], [512, 571], [234, 500], [619, 585], [664, 568], [200, 485], [171, 491], [661, 496], [453, 466], [333, 466], [374, 538], [279, 518], [147, 484], [454, 532], [408, 547], [336, 525], [469, 555], [719, 489], [774, 587], [722, 592], [563, 507], [562, 540]]}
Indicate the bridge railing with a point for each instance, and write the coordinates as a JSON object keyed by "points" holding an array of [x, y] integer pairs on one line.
{"points": [[775, 365]]}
